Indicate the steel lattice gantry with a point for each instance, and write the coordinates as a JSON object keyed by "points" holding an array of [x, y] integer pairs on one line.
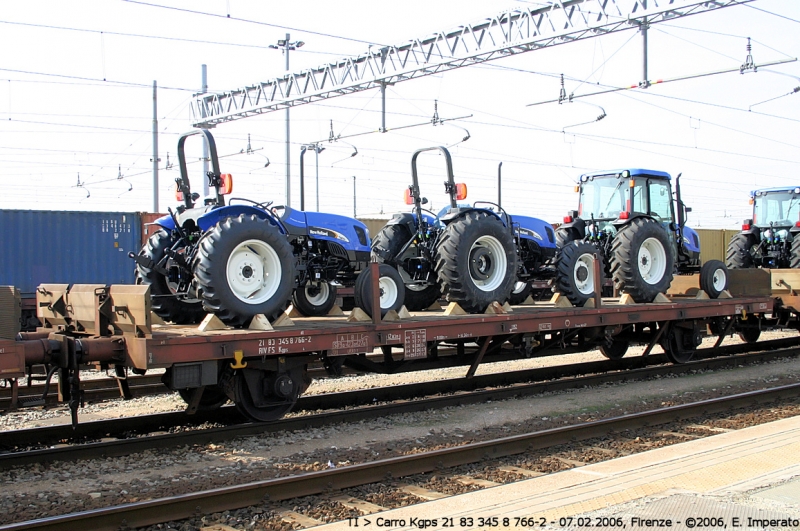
{"points": [[508, 33]]}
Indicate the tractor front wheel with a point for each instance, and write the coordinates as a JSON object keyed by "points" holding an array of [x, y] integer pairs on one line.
{"points": [[575, 271], [713, 278], [642, 259], [390, 286], [314, 299], [244, 267]]}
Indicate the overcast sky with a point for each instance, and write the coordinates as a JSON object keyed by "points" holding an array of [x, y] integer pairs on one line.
{"points": [[76, 103]]}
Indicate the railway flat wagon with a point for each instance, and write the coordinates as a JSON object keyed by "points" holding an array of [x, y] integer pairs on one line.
{"points": [[69, 247]]}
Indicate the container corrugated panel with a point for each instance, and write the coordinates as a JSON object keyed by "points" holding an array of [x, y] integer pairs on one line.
{"points": [[39, 246], [10, 310]]}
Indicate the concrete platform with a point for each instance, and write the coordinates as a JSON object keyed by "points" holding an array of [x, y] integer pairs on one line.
{"points": [[740, 479]]}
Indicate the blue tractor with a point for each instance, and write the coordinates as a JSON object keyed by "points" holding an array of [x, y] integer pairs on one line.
{"points": [[769, 239], [472, 255], [248, 258], [628, 219]]}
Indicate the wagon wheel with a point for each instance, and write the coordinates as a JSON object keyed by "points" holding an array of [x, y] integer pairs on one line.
{"points": [[265, 396], [213, 397], [680, 344]]}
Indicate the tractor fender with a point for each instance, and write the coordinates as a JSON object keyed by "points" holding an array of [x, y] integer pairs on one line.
{"points": [[535, 229], [619, 223], [409, 220], [755, 231], [578, 225], [458, 213], [165, 222], [212, 217], [193, 214]]}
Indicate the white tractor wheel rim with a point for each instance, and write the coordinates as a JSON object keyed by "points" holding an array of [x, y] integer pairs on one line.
{"points": [[323, 292], [487, 255], [652, 261], [519, 287], [718, 280], [254, 271], [583, 273], [389, 292]]}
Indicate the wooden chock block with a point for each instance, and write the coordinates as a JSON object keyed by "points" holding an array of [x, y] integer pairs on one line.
{"points": [[211, 322], [702, 295], [662, 298], [260, 322], [391, 315], [435, 306], [529, 300], [589, 303], [725, 295], [403, 313], [336, 311], [283, 320], [507, 307], [495, 309], [156, 319], [454, 309], [291, 311], [560, 301], [358, 315], [626, 299]]}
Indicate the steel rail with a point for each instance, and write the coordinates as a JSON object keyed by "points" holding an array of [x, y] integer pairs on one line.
{"points": [[368, 396], [156, 511]]}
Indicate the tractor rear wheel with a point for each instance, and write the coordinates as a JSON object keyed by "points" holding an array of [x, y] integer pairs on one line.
{"points": [[476, 261], [713, 278], [390, 286], [575, 271], [163, 292], [738, 255], [564, 237], [244, 267], [794, 258], [314, 299], [386, 245], [642, 259]]}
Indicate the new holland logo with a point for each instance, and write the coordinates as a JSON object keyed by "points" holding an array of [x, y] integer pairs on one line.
{"points": [[531, 233], [327, 233]]}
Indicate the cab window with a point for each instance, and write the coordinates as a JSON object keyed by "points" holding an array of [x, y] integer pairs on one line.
{"points": [[660, 201]]}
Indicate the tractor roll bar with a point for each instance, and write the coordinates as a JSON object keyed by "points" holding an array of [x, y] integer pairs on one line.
{"points": [[183, 182]]}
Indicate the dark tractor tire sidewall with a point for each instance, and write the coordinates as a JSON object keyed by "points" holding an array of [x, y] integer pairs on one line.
{"points": [[711, 280], [168, 308], [625, 268], [738, 255], [573, 262], [453, 261], [794, 258], [314, 307], [418, 300], [564, 237], [211, 268], [390, 279], [388, 242]]}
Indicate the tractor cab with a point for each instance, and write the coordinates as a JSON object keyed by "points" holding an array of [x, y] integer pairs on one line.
{"points": [[775, 209]]}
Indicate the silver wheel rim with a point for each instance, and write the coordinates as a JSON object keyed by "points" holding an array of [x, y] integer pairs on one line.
{"points": [[583, 274], [488, 257], [254, 271], [389, 292], [323, 292], [719, 279], [652, 261], [519, 287]]}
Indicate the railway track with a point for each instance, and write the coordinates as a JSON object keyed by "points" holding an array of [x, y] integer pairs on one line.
{"points": [[305, 484], [96, 436]]}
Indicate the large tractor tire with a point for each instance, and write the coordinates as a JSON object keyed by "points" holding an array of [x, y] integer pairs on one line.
{"points": [[575, 271], [386, 246], [244, 267], [314, 299], [476, 261], [794, 259], [713, 278], [162, 292], [642, 260], [564, 237], [390, 286], [738, 255]]}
